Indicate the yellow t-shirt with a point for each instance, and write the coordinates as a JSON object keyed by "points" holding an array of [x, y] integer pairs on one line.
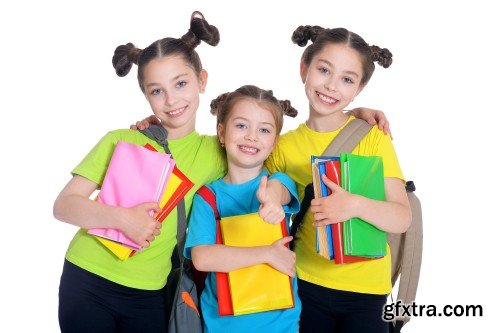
{"points": [[293, 156]]}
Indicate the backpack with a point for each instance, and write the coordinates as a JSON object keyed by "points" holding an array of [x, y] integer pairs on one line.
{"points": [[406, 248], [181, 292]]}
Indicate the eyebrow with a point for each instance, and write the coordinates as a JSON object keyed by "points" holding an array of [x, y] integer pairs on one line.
{"points": [[262, 122], [173, 79], [331, 65]]}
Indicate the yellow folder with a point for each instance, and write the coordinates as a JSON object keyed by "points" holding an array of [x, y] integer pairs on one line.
{"points": [[261, 287]]}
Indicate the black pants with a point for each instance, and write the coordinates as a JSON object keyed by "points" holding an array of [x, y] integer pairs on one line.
{"points": [[328, 310], [90, 303]]}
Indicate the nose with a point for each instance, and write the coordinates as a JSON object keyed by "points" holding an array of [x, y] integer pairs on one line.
{"points": [[251, 136], [170, 98], [330, 85]]}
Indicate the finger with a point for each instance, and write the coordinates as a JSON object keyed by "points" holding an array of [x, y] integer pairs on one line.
{"points": [[261, 191], [151, 206], [146, 243], [372, 121], [133, 127], [331, 185], [158, 225], [156, 232], [286, 240], [319, 217]]}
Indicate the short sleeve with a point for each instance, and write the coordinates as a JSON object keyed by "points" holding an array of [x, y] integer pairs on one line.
{"points": [[275, 162], [95, 164], [201, 226], [294, 205]]}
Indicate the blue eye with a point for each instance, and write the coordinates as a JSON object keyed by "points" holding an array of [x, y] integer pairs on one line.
{"points": [[265, 130], [181, 84], [348, 80], [240, 126], [156, 91], [324, 70]]}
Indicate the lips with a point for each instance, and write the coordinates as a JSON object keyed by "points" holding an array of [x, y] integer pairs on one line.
{"points": [[248, 149], [177, 112], [326, 99]]}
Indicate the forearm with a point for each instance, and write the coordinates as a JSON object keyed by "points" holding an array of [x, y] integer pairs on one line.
{"points": [[85, 213], [222, 258], [391, 217]]}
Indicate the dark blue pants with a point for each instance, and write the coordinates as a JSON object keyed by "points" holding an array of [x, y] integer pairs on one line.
{"points": [[90, 303], [327, 310]]}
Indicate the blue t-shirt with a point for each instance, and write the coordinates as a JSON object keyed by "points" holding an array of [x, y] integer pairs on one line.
{"points": [[238, 199]]}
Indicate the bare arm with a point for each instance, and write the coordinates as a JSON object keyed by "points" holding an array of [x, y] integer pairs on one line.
{"points": [[74, 206], [372, 117], [392, 215], [222, 258]]}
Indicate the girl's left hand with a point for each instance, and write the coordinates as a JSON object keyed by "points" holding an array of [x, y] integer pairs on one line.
{"points": [[270, 209], [335, 208]]}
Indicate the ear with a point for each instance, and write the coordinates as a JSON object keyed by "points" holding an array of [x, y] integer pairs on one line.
{"points": [[202, 80], [220, 133], [303, 71]]}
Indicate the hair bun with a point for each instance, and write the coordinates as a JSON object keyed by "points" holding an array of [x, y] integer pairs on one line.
{"points": [[200, 30], [217, 103], [303, 34], [382, 56], [124, 57], [288, 109]]}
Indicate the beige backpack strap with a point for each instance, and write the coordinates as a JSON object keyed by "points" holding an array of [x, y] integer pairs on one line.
{"points": [[410, 259], [348, 138]]}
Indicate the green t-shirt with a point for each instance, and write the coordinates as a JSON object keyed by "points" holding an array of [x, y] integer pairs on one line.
{"points": [[199, 157]]}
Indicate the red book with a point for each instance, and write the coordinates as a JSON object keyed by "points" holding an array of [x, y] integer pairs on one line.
{"points": [[332, 171]]}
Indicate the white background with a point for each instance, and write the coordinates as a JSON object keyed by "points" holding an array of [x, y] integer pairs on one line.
{"points": [[59, 95]]}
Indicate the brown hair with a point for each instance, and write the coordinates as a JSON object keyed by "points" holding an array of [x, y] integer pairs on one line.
{"points": [[321, 37], [200, 30], [224, 103]]}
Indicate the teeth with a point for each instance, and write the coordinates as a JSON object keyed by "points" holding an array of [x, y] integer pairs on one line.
{"points": [[176, 112], [249, 149], [326, 99]]}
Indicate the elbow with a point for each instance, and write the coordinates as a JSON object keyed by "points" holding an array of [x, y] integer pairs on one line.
{"points": [[405, 221], [199, 260], [57, 209]]}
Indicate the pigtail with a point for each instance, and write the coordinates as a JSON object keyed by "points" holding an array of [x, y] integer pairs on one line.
{"points": [[199, 31], [288, 109], [381, 56], [124, 57], [216, 104], [303, 34]]}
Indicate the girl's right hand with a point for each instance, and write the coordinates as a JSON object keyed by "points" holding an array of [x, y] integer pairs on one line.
{"points": [[281, 257], [143, 124], [139, 226]]}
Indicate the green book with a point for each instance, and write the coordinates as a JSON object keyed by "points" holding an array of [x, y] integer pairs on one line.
{"points": [[363, 175]]}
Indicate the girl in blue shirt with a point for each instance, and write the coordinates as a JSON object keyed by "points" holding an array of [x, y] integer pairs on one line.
{"points": [[249, 121]]}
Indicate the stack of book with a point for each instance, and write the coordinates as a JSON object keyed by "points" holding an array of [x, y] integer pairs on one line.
{"points": [[352, 240], [136, 175]]}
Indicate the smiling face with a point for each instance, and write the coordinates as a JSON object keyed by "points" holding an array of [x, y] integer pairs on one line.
{"points": [[172, 89], [332, 79], [248, 134]]}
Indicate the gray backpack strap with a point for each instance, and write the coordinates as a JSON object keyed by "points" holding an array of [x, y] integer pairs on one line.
{"points": [[348, 138], [160, 134]]}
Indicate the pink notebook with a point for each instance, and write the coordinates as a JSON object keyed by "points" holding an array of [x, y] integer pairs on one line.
{"points": [[135, 175]]}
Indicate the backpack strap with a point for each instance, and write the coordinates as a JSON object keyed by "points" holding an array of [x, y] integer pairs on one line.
{"points": [[407, 256], [348, 138], [159, 134]]}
